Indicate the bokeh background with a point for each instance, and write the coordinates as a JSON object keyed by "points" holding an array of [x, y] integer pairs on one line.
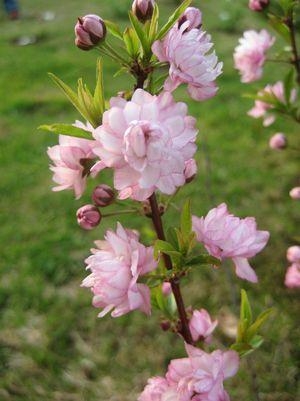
{"points": [[52, 345]]}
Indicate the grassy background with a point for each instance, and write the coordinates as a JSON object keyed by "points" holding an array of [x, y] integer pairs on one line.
{"points": [[52, 346]]}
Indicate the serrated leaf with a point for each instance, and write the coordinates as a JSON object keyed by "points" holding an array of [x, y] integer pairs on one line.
{"points": [[141, 34], [172, 237], [67, 129], [280, 27], [261, 319], [153, 24], [186, 219], [173, 18], [98, 99], [131, 41], [113, 29], [246, 312], [162, 246]]}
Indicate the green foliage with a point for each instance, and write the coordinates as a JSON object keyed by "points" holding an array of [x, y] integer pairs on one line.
{"points": [[67, 129]]}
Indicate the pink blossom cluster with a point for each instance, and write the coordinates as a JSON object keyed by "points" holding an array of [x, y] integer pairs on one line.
{"points": [[199, 377], [262, 109], [226, 236], [292, 277], [149, 142], [186, 48], [250, 55], [115, 267]]}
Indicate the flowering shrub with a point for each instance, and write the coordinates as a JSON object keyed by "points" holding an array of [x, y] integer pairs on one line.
{"points": [[149, 141]]}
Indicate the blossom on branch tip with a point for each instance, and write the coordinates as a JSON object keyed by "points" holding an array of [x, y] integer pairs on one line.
{"points": [[89, 31], [194, 17], [186, 50], [201, 326], [115, 268], [147, 142], [226, 236], [250, 55]]}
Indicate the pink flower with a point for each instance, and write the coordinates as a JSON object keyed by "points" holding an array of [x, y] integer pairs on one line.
{"points": [[293, 254], [227, 236], [258, 5], [201, 375], [249, 56], [147, 142], [89, 31], [194, 17], [295, 193], [292, 277], [158, 389], [190, 170], [186, 51], [201, 325], [71, 161], [88, 217], [278, 141], [261, 109], [115, 268]]}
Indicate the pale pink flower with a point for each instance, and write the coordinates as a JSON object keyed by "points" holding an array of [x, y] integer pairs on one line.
{"points": [[166, 288], [147, 142], [292, 277], [194, 17], [201, 325], [201, 375], [250, 55], [186, 50], [295, 193], [227, 236], [88, 217], [293, 254], [115, 268], [278, 141], [190, 170], [71, 161], [158, 389], [262, 109], [258, 5]]}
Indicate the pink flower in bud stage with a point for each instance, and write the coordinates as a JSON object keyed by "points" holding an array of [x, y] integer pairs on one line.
{"points": [[115, 268], [186, 49], [292, 277], [147, 142], [103, 195], [88, 217], [278, 141], [201, 325], [200, 376], [194, 17], [258, 5], [72, 160], [249, 56], [227, 236], [261, 109], [89, 31], [166, 288], [143, 9], [295, 193], [293, 254]]}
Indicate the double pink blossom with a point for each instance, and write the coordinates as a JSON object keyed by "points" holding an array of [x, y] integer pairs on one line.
{"points": [[226, 236], [201, 325], [187, 49], [148, 142], [262, 109], [115, 268], [72, 160], [250, 55]]}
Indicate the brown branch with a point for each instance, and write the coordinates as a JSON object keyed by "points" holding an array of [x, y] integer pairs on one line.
{"points": [[296, 60]]}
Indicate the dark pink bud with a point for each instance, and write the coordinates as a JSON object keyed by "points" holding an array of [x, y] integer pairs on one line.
{"points": [[103, 195], [278, 141], [143, 9], [88, 217], [165, 325], [89, 31], [258, 5], [193, 16]]}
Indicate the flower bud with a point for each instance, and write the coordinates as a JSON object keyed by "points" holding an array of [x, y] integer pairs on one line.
{"points": [[295, 193], [103, 195], [193, 16], [166, 288], [278, 141], [143, 9], [258, 5], [165, 325], [293, 254], [88, 217], [89, 31], [190, 170]]}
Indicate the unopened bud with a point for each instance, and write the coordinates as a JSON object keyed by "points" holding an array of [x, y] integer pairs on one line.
{"points": [[193, 16], [143, 9], [293, 254], [278, 141], [166, 288], [190, 170], [89, 31], [295, 193], [258, 5], [103, 195], [165, 325], [88, 217]]}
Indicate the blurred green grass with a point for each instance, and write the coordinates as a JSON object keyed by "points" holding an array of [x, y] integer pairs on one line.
{"points": [[52, 346]]}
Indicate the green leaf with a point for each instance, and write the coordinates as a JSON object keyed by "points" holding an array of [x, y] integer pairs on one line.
{"points": [[98, 99], [173, 18], [131, 41], [186, 219], [280, 27], [288, 86], [166, 304], [261, 319], [162, 246], [113, 29], [203, 259], [172, 237], [246, 312], [141, 34], [67, 129], [153, 24], [287, 6]]}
